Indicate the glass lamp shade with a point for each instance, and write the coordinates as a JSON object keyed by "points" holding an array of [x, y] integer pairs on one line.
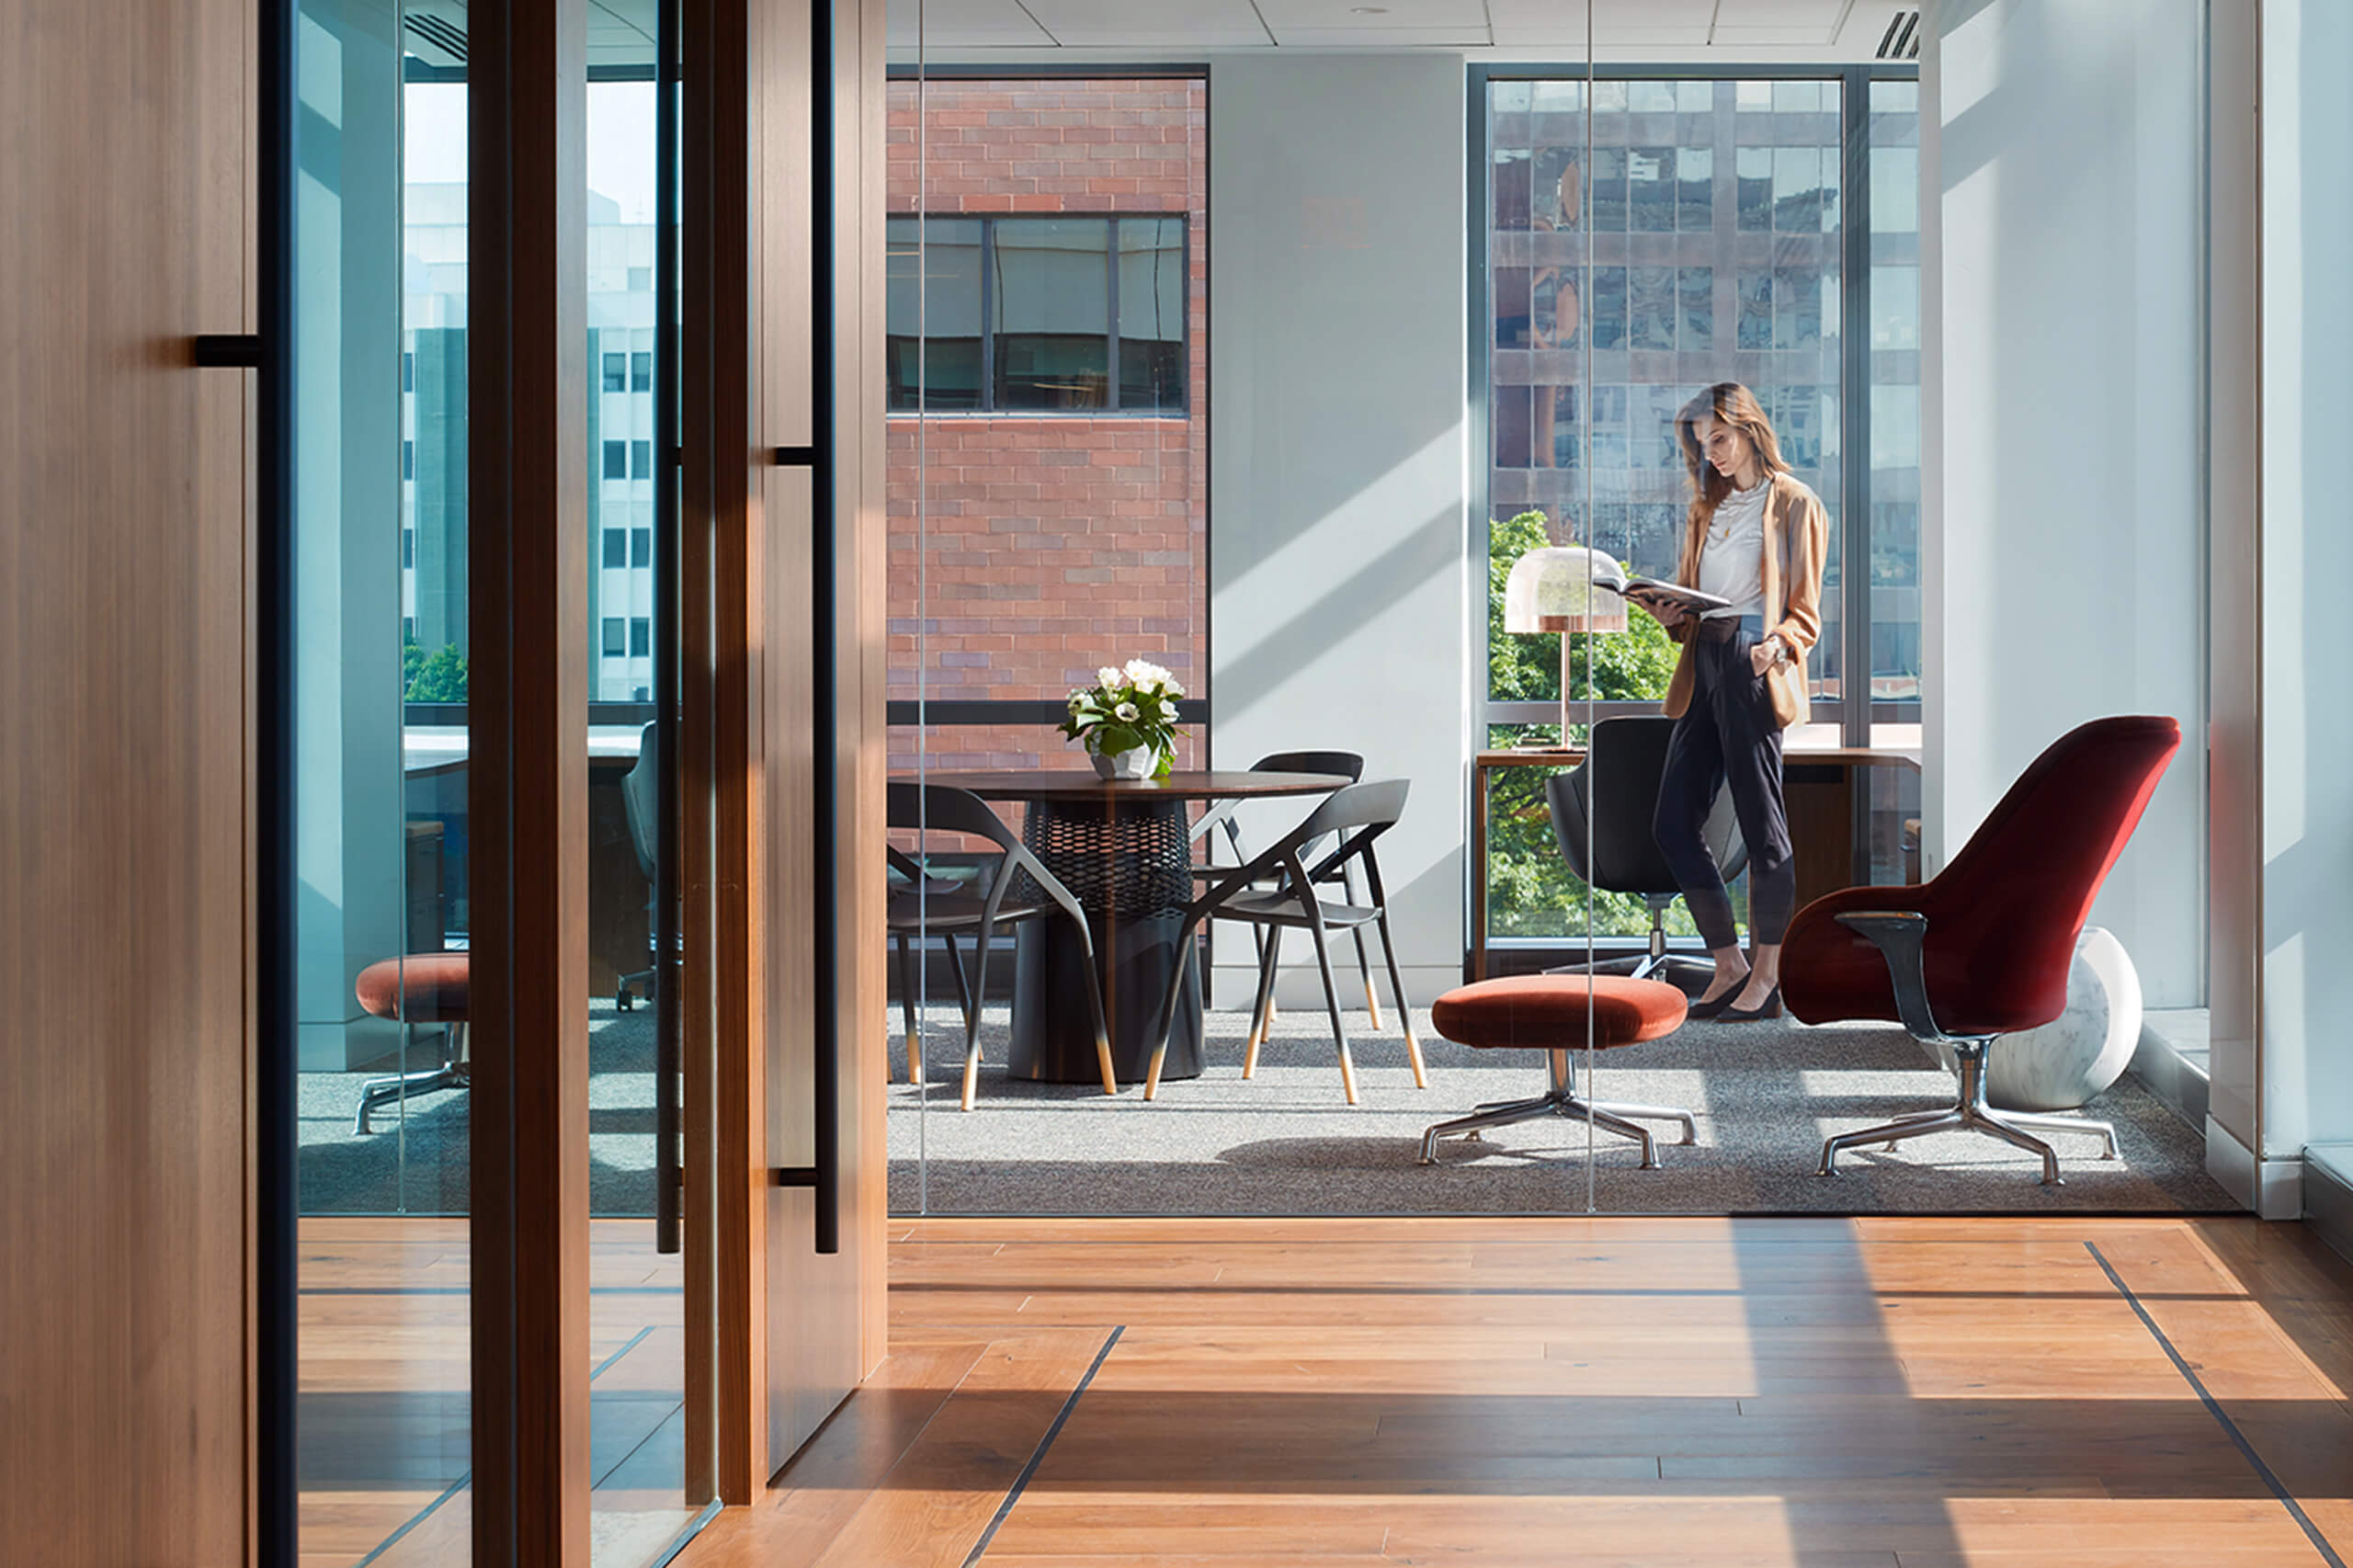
{"points": [[1552, 590]]}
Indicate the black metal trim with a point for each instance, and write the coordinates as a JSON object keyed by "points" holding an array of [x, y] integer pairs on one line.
{"points": [[228, 350], [793, 1176], [667, 1155], [1855, 418], [277, 1172], [1037, 1456], [932, 712], [795, 457], [824, 705]]}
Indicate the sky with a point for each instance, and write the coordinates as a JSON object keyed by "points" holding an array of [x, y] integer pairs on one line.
{"points": [[621, 141]]}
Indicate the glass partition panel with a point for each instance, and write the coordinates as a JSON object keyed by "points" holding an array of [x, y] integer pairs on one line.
{"points": [[1047, 367], [384, 1361]]}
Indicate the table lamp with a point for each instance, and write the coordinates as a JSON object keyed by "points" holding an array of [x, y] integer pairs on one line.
{"points": [[1551, 589]]}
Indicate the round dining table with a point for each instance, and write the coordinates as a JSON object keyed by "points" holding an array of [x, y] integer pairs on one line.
{"points": [[1122, 847]]}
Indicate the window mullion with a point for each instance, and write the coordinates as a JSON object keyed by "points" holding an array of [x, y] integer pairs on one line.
{"points": [[988, 313]]}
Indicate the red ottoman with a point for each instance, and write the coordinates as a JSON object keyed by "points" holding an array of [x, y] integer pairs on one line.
{"points": [[1559, 1013], [422, 988]]}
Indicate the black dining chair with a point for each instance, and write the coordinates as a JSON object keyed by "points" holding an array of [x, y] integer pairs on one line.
{"points": [[1277, 889], [1021, 890], [1222, 817]]}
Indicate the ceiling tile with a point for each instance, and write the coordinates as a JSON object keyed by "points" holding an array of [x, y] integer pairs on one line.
{"points": [[1460, 18], [963, 24], [1468, 36], [1159, 23]]}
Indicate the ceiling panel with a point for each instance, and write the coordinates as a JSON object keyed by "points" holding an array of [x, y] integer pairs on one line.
{"points": [[963, 24], [1462, 19], [1156, 23]]}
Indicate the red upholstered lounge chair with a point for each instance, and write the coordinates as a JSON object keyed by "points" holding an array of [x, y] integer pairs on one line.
{"points": [[1983, 949]]}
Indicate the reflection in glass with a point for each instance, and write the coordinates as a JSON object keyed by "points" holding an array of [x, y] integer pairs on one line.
{"points": [[1049, 293]]}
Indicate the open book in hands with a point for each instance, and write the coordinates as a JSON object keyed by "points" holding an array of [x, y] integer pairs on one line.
{"points": [[1690, 601]]}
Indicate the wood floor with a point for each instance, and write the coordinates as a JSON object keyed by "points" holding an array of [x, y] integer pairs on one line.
{"points": [[385, 1419], [1820, 1393]]}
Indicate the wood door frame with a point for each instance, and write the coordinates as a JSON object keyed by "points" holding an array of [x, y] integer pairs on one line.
{"points": [[527, 669]]}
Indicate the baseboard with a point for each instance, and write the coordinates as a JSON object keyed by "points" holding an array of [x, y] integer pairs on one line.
{"points": [[2328, 1195], [2173, 1077], [2272, 1189]]}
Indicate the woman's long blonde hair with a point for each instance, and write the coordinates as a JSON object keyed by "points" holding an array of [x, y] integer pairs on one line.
{"points": [[1727, 403]]}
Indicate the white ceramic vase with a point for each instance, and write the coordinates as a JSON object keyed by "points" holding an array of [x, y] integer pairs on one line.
{"points": [[1136, 762], [2076, 1055]]}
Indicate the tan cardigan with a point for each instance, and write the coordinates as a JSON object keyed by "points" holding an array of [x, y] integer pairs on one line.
{"points": [[1797, 534]]}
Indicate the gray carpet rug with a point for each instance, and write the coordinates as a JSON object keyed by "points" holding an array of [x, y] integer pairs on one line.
{"points": [[414, 1159], [1286, 1142]]}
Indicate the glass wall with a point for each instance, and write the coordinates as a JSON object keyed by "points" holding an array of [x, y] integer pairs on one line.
{"points": [[1686, 231], [382, 638]]}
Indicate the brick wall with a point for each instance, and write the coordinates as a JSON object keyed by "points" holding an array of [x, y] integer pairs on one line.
{"points": [[1046, 546]]}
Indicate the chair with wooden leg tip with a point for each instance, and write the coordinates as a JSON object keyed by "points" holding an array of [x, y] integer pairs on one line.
{"points": [[1021, 890], [1277, 889], [1560, 1015], [1983, 949], [907, 914], [1219, 819]]}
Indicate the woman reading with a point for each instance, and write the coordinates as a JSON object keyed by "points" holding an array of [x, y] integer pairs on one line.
{"points": [[1754, 536]]}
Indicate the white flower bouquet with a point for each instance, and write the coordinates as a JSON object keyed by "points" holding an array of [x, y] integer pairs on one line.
{"points": [[1127, 719]]}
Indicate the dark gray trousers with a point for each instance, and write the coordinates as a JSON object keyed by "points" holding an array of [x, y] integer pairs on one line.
{"points": [[1728, 735]]}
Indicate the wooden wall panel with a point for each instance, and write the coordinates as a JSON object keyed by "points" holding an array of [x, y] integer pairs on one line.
{"points": [[528, 779], [124, 214]]}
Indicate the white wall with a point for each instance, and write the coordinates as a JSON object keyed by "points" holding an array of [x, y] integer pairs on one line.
{"points": [[2062, 530], [1337, 517], [2307, 568]]}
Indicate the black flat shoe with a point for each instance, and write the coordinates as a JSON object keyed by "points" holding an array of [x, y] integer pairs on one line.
{"points": [[1769, 1008]]}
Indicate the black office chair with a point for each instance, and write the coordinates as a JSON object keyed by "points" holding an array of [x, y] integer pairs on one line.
{"points": [[1347, 765], [1021, 890], [640, 799], [1277, 889], [1608, 802]]}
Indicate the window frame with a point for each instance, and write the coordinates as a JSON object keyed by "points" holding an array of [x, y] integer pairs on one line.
{"points": [[1855, 711], [1113, 408]]}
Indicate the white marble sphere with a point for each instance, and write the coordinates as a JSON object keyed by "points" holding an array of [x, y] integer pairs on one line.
{"points": [[2071, 1058]]}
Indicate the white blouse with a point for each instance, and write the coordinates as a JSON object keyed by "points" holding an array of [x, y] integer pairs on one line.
{"points": [[1732, 558]]}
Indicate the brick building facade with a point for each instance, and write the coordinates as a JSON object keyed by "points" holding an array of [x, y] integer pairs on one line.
{"points": [[1041, 545]]}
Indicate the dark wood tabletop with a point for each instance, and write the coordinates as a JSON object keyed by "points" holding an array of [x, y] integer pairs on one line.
{"points": [[1066, 784]]}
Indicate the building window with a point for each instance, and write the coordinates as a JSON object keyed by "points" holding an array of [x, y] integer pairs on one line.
{"points": [[408, 459], [640, 370], [641, 637], [617, 459], [409, 548], [641, 460], [1040, 314], [640, 547], [616, 372], [616, 637], [409, 371], [616, 547]]}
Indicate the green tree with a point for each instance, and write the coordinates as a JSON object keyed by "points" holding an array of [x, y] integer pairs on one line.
{"points": [[438, 676], [1530, 892]]}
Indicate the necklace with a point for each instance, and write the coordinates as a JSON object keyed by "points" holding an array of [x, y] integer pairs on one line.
{"points": [[1724, 535]]}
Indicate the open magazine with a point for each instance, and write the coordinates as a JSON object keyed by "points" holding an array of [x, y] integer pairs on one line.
{"points": [[1690, 600]]}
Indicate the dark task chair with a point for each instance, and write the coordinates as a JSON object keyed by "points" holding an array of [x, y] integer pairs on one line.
{"points": [[1983, 949], [1606, 803], [1347, 765], [1021, 890], [641, 801], [1277, 889]]}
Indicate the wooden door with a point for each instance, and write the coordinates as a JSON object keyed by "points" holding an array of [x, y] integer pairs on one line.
{"points": [[124, 951]]}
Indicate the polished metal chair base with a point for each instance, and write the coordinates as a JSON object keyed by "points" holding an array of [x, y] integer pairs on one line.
{"points": [[1562, 1100], [453, 1073], [1971, 1113]]}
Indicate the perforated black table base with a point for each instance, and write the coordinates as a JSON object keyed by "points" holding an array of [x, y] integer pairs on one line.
{"points": [[1125, 859]]}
